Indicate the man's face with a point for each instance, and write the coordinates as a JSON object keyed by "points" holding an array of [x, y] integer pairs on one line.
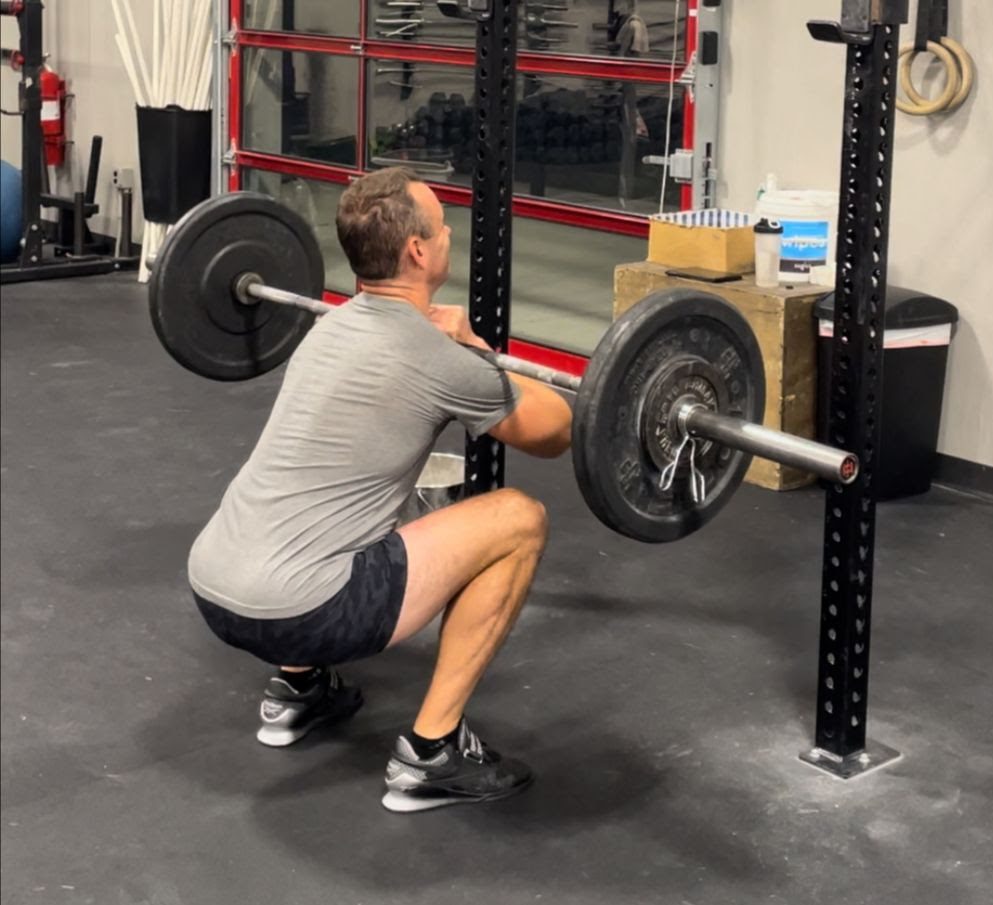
{"points": [[433, 254]]}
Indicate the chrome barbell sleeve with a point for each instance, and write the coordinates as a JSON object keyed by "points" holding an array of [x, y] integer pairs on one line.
{"points": [[786, 449]]}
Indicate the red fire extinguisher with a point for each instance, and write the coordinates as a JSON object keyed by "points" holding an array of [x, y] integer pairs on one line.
{"points": [[53, 110]]}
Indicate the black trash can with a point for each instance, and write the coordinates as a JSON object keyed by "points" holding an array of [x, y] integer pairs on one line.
{"points": [[917, 332], [174, 156]]}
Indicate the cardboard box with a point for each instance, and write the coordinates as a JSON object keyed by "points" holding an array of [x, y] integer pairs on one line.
{"points": [[783, 321], [711, 239]]}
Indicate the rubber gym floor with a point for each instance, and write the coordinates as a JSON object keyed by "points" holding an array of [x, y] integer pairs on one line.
{"points": [[662, 694]]}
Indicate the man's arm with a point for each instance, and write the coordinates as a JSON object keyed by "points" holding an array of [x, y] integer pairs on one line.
{"points": [[540, 424]]}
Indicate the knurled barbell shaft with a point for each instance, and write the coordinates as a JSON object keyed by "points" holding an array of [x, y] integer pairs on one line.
{"points": [[551, 376], [528, 369], [786, 449]]}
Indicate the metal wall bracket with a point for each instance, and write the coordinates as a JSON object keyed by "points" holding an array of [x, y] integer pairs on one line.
{"points": [[680, 163]]}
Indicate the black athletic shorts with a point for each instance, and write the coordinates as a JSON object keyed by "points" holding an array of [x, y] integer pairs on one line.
{"points": [[357, 622]]}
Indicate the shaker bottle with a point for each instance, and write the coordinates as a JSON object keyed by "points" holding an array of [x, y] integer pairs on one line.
{"points": [[768, 237]]}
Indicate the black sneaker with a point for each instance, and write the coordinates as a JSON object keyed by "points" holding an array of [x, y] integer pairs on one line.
{"points": [[288, 715], [459, 773]]}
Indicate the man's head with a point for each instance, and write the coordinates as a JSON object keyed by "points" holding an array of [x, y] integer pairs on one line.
{"points": [[392, 226]]}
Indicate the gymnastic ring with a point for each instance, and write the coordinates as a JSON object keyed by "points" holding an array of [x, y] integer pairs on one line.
{"points": [[966, 69], [968, 72], [918, 105]]}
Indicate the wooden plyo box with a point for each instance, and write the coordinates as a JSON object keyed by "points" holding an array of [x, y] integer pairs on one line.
{"points": [[783, 321], [730, 249]]}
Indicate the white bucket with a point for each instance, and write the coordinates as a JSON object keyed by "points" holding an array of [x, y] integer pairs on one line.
{"points": [[809, 220], [440, 483]]}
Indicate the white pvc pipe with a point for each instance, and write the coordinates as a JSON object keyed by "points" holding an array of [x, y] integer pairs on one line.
{"points": [[122, 46], [199, 47], [189, 48], [155, 99], [139, 52], [168, 39], [184, 48], [203, 82]]}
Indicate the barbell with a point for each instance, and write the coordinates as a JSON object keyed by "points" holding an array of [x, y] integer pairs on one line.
{"points": [[665, 420]]}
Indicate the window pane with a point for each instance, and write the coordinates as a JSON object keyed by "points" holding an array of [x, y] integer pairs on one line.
{"points": [[597, 28], [320, 17], [421, 115], [563, 276], [563, 279], [580, 141], [318, 202], [300, 104]]}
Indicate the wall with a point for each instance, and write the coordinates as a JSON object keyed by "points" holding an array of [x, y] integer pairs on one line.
{"points": [[10, 129], [782, 113]]}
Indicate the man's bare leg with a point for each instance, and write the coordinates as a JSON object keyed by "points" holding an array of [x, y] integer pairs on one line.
{"points": [[475, 561]]}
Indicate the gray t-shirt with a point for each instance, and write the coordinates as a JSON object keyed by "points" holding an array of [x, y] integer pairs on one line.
{"points": [[363, 401]]}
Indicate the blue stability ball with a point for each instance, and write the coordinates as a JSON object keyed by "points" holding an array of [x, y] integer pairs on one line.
{"points": [[10, 211]]}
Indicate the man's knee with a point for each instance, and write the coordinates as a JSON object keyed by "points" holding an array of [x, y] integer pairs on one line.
{"points": [[528, 515]]}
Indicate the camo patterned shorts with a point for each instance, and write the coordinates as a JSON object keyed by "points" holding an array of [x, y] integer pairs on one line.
{"points": [[357, 622]]}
